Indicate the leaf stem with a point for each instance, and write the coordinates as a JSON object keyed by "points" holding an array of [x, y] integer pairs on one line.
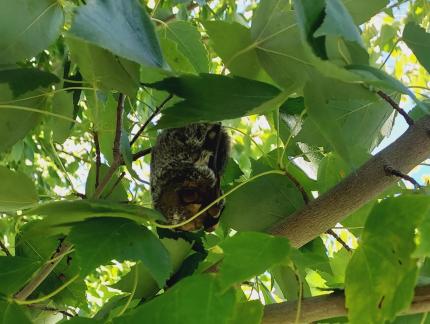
{"points": [[133, 291]]}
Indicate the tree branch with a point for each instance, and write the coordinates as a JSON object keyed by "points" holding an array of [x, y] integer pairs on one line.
{"points": [[4, 248], [396, 107], [98, 157], [339, 239], [116, 150], [323, 307], [151, 117], [358, 188], [44, 272]]}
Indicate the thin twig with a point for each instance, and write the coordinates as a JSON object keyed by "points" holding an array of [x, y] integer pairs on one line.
{"points": [[51, 309], [4, 248], [396, 107], [190, 7], [43, 272], [116, 152], [98, 157], [339, 239], [391, 171], [299, 187], [151, 117]]}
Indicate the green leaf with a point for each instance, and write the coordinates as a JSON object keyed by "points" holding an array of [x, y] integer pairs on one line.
{"points": [[12, 314], [113, 191], [250, 312], [205, 98], [188, 41], [98, 241], [59, 215], [62, 104], [102, 69], [349, 117], [147, 287], [237, 50], [17, 191], [174, 57], [248, 254], [419, 42], [381, 275], [15, 86], [277, 42], [338, 22], [361, 11], [15, 272], [278, 198], [38, 26], [194, 300], [134, 37]]}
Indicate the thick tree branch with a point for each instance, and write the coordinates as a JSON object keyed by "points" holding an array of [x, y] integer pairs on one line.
{"points": [[358, 188], [323, 307]]}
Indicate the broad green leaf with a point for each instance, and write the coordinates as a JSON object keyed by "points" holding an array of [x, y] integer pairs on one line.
{"points": [[146, 285], [188, 41], [98, 241], [12, 314], [338, 22], [17, 191], [82, 320], [206, 100], [62, 104], [250, 312], [134, 37], [175, 58], [248, 254], [237, 51], [113, 191], [361, 11], [278, 198], [15, 272], [381, 275], [102, 69], [19, 115], [59, 215], [38, 26], [419, 42], [277, 42], [349, 117], [423, 248], [194, 300]]}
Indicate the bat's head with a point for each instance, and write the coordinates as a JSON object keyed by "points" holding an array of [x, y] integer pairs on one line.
{"points": [[186, 193]]}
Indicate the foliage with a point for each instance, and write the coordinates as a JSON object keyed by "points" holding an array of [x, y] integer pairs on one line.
{"points": [[301, 86]]}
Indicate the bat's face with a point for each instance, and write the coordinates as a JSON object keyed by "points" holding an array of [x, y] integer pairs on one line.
{"points": [[182, 200]]}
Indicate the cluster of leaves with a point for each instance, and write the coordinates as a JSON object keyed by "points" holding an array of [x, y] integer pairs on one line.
{"points": [[297, 84]]}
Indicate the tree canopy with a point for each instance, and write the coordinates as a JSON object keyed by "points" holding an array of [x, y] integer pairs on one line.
{"points": [[326, 103]]}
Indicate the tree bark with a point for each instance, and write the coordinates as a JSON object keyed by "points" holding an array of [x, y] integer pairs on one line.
{"points": [[363, 185], [328, 306]]}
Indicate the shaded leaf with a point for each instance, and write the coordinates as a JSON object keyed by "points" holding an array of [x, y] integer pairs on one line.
{"points": [[17, 191], [62, 104], [134, 37], [15, 272], [113, 191], [101, 68], [362, 11], [419, 42], [12, 314], [189, 43], [237, 50], [15, 86], [38, 26], [98, 241], [248, 254], [277, 198], [205, 98], [250, 312], [193, 300]]}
